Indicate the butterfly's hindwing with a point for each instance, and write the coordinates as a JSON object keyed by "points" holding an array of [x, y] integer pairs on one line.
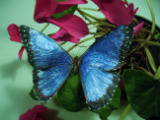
{"points": [[51, 63], [47, 82], [98, 85]]}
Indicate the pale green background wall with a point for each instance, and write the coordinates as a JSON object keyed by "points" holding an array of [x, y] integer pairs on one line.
{"points": [[16, 76]]}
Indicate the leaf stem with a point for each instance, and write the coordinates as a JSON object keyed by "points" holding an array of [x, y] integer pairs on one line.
{"points": [[144, 70], [153, 25], [97, 33], [157, 74], [82, 41], [146, 30], [107, 24], [147, 42], [135, 20], [125, 112], [86, 14], [91, 9], [45, 27], [150, 59], [80, 12], [62, 43]]}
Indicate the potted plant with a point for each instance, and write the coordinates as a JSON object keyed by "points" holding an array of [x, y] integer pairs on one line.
{"points": [[139, 72]]}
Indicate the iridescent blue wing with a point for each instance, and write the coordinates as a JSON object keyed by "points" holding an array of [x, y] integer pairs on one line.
{"points": [[98, 85], [98, 64], [51, 63], [109, 52]]}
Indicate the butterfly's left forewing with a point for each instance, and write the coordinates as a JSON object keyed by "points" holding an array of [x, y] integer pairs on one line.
{"points": [[51, 63]]}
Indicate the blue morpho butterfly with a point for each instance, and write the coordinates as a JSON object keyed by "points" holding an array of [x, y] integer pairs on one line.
{"points": [[97, 66]]}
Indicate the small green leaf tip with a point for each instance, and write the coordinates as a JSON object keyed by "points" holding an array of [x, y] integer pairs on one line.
{"points": [[70, 95], [157, 36], [68, 11], [31, 93]]}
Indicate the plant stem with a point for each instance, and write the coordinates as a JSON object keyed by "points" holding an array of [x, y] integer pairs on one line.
{"points": [[135, 20], [45, 27], [150, 59], [148, 42], [144, 70], [97, 33], [157, 74], [153, 25], [106, 24], [125, 112], [86, 14], [80, 12], [82, 41], [91, 9], [146, 30], [62, 43]]}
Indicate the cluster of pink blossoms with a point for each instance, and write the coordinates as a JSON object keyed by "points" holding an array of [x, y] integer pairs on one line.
{"points": [[72, 27]]}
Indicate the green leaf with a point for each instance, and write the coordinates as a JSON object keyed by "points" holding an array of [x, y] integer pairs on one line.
{"points": [[68, 11], [114, 104], [31, 93], [157, 36], [70, 95], [143, 93]]}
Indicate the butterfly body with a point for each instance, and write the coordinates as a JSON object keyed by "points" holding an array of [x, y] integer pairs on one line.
{"points": [[97, 66], [75, 65]]}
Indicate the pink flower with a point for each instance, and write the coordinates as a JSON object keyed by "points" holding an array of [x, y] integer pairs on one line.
{"points": [[116, 12], [37, 113], [13, 31], [138, 27], [72, 24], [63, 35]]}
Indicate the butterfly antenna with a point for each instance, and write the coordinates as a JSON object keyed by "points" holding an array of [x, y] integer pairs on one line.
{"points": [[78, 50], [72, 52]]}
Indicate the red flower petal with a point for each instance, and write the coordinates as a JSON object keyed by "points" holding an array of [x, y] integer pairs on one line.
{"points": [[63, 35], [40, 119], [73, 24], [13, 31], [40, 110], [73, 2], [138, 27], [29, 115], [21, 52], [44, 8], [62, 6], [132, 12], [115, 11]]}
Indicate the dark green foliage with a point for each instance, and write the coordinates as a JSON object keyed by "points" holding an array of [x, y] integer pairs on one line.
{"points": [[71, 96], [143, 93]]}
